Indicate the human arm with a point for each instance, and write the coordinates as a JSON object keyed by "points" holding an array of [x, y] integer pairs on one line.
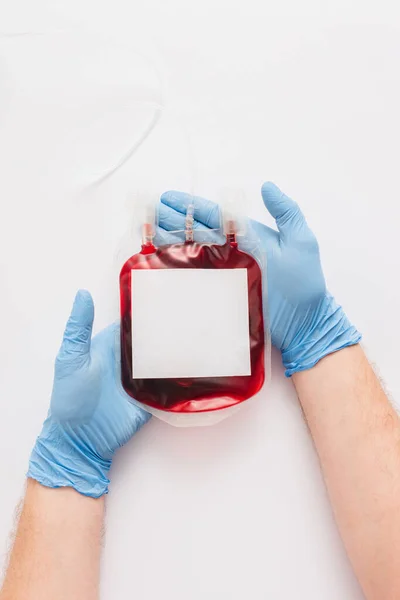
{"points": [[56, 552], [355, 429], [357, 436], [58, 536]]}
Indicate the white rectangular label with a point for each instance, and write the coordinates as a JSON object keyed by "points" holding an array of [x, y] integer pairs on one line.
{"points": [[190, 323]]}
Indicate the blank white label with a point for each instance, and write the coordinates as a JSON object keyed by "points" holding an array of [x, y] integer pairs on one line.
{"points": [[190, 323]]}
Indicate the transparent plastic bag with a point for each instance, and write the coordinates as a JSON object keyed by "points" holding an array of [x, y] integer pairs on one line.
{"points": [[226, 376]]}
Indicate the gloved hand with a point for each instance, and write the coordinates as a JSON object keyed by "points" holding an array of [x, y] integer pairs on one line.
{"points": [[90, 415], [305, 321]]}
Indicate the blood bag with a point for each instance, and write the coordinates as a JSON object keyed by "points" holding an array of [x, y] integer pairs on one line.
{"points": [[207, 350]]}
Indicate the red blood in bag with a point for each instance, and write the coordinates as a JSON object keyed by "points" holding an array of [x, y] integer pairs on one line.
{"points": [[196, 394]]}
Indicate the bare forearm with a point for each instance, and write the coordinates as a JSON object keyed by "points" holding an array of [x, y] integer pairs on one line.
{"points": [[56, 553], [357, 435]]}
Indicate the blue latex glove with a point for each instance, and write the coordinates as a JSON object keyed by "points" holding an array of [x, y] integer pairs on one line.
{"points": [[305, 321], [90, 415]]}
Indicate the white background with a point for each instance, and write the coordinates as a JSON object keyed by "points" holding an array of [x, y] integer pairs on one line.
{"points": [[306, 94]]}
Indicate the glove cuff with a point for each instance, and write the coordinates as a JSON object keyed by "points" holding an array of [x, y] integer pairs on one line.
{"points": [[330, 331], [62, 461]]}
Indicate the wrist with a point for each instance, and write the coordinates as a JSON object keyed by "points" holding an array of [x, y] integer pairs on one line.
{"points": [[324, 331], [63, 500], [62, 458]]}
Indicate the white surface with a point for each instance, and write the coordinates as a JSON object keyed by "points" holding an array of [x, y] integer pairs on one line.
{"points": [[303, 93], [190, 323]]}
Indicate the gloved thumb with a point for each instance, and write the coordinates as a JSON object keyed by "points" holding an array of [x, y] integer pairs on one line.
{"points": [[78, 331], [286, 212]]}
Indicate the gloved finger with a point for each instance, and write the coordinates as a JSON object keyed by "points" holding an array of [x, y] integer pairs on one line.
{"points": [[172, 220], [205, 211], [78, 331], [110, 338], [259, 239], [138, 416], [164, 237], [264, 233], [202, 236], [286, 212]]}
